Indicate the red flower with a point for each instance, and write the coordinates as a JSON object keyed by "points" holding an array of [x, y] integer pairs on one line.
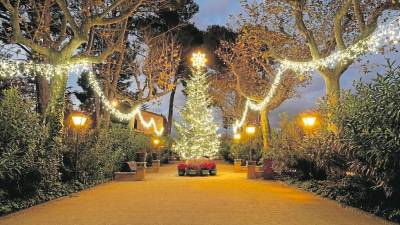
{"points": [[211, 165], [204, 166], [182, 166]]}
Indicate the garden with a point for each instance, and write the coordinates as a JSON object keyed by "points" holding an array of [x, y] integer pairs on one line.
{"points": [[301, 92]]}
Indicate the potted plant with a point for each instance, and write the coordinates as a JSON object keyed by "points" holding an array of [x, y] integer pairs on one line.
{"points": [[204, 169], [182, 169], [192, 169], [212, 168]]}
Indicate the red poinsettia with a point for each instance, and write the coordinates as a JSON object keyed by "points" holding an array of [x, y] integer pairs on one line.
{"points": [[211, 165], [182, 166], [204, 166]]}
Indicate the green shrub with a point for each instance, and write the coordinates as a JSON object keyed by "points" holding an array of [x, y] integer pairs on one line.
{"points": [[369, 120], [231, 149], [27, 167]]}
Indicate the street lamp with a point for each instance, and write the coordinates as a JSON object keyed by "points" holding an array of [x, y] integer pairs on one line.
{"points": [[79, 120], [156, 141], [237, 136], [309, 121], [250, 130]]}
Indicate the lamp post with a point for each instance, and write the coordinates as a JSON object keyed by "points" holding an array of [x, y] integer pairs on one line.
{"points": [[251, 164], [237, 164], [78, 124], [250, 131], [309, 121], [156, 162]]}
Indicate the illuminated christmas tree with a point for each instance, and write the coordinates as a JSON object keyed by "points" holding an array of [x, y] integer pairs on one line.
{"points": [[197, 133]]}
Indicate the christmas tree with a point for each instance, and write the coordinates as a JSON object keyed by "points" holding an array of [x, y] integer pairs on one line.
{"points": [[197, 133]]}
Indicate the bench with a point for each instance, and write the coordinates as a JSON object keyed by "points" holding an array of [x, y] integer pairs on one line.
{"points": [[131, 171]]}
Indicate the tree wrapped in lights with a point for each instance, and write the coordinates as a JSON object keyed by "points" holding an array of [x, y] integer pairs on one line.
{"points": [[197, 133]]}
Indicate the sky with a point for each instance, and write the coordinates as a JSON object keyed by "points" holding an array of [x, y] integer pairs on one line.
{"points": [[218, 12]]}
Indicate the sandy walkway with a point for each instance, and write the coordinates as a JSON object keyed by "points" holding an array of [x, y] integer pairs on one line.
{"points": [[165, 198]]}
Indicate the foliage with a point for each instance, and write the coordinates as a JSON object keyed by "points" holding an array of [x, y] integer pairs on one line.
{"points": [[230, 149], [356, 163], [370, 127], [35, 167], [26, 168]]}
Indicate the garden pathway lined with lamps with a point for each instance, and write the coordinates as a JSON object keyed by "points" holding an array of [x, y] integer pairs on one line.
{"points": [[165, 198]]}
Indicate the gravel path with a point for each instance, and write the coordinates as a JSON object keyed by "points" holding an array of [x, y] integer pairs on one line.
{"points": [[165, 198]]}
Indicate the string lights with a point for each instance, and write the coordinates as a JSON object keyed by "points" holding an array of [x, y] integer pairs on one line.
{"points": [[386, 33], [9, 69]]}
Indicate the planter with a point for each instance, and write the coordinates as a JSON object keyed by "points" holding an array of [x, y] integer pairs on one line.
{"points": [[268, 172], [251, 170], [191, 172], [204, 172], [181, 172], [237, 165], [213, 172]]}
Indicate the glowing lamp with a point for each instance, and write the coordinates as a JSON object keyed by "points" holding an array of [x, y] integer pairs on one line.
{"points": [[237, 136], [79, 120], [156, 141], [309, 121], [199, 60], [250, 130]]}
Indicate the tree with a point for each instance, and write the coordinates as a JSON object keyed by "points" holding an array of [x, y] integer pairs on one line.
{"points": [[249, 75], [197, 134], [316, 29], [66, 31]]}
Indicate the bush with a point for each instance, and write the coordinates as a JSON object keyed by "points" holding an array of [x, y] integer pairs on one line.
{"points": [[231, 150], [370, 127], [35, 167], [27, 167], [365, 141]]}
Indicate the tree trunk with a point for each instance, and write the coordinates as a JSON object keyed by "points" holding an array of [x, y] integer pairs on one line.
{"points": [[42, 94], [332, 83], [171, 110], [56, 106], [265, 130]]}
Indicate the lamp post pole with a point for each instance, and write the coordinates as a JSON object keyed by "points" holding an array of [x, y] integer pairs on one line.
{"points": [[251, 164], [78, 123]]}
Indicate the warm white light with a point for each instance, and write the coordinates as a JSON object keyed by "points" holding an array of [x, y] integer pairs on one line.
{"points": [[199, 60], [156, 141], [309, 121], [79, 120], [237, 136], [387, 33], [250, 130], [115, 103]]}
